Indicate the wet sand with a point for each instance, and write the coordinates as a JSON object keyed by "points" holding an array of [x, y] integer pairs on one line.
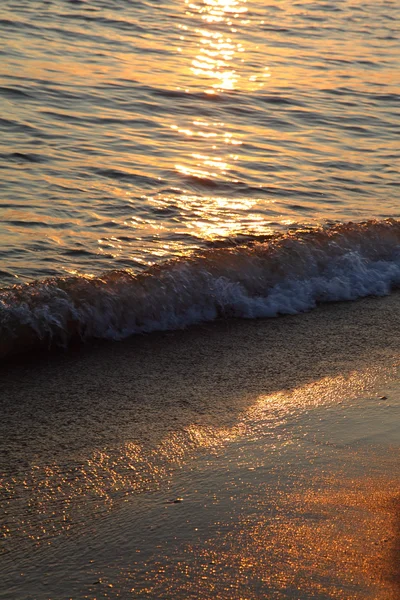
{"points": [[240, 459]]}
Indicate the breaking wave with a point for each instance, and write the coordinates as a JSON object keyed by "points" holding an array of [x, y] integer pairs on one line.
{"points": [[287, 274]]}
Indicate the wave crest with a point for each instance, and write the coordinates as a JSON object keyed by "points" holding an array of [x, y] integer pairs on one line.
{"points": [[286, 274]]}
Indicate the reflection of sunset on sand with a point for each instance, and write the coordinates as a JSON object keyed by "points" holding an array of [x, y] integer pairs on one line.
{"points": [[325, 543], [279, 436]]}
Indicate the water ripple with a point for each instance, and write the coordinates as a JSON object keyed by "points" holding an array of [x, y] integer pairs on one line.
{"points": [[138, 132]]}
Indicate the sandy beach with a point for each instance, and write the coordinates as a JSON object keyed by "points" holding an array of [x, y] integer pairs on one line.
{"points": [[233, 460]]}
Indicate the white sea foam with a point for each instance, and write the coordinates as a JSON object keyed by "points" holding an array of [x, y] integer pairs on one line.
{"points": [[286, 275]]}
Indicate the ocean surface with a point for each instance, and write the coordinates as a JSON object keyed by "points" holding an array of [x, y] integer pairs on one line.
{"points": [[170, 162]]}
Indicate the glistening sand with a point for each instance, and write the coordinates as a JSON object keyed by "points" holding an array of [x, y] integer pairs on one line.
{"points": [[280, 436]]}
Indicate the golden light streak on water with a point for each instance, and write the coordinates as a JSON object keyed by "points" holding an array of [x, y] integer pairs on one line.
{"points": [[213, 217], [217, 65], [218, 51]]}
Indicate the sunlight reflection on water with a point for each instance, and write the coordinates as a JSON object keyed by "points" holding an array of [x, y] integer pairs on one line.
{"points": [[289, 107]]}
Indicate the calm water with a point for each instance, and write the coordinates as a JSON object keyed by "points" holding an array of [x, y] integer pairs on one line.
{"points": [[135, 131]]}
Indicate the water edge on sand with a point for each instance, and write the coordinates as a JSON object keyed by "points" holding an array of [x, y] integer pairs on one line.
{"points": [[240, 459]]}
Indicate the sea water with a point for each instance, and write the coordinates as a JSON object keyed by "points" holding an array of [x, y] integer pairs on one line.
{"points": [[165, 163]]}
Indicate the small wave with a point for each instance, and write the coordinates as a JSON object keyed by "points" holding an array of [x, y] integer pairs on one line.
{"points": [[13, 92], [279, 99], [284, 274], [23, 157], [16, 126], [121, 175]]}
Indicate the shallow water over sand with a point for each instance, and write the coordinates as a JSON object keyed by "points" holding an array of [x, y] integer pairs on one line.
{"points": [[241, 458]]}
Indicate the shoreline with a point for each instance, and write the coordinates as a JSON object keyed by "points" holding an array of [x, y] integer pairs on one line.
{"points": [[99, 441]]}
